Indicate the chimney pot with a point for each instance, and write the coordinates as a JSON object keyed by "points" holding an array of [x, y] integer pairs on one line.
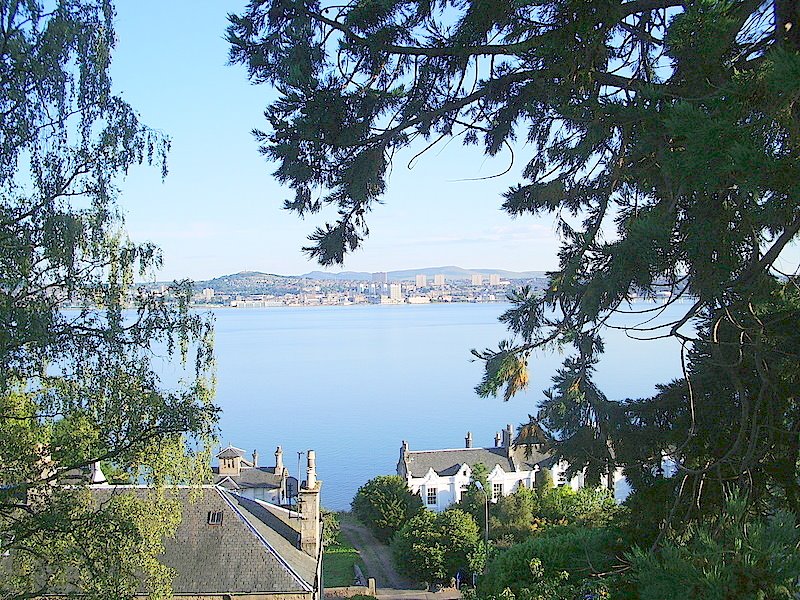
{"points": [[255, 459], [468, 439], [278, 459], [498, 440], [509, 435], [311, 471]]}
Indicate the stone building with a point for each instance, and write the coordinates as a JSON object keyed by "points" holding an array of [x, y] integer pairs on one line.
{"points": [[246, 478], [228, 545]]}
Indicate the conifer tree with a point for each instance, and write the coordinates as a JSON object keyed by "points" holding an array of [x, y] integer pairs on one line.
{"points": [[662, 137]]}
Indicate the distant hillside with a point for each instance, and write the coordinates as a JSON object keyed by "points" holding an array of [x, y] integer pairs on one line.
{"points": [[449, 272], [249, 282], [255, 282]]}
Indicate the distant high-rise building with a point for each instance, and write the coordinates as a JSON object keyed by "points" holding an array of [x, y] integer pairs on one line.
{"points": [[208, 294], [494, 279], [477, 279], [421, 281], [395, 292], [380, 277], [438, 279]]}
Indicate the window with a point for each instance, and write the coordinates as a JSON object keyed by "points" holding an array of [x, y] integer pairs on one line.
{"points": [[462, 491], [497, 490], [215, 517], [432, 495]]}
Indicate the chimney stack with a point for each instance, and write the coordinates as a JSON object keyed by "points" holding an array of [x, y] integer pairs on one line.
{"points": [[498, 440], [255, 459], [509, 435], [96, 476], [468, 440], [310, 531], [404, 448], [278, 460]]}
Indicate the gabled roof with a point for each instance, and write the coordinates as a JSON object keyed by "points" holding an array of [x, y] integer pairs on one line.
{"points": [[259, 477], [231, 452], [241, 555], [281, 530], [447, 463]]}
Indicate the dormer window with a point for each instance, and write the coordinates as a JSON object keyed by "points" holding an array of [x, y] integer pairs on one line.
{"points": [[215, 517]]}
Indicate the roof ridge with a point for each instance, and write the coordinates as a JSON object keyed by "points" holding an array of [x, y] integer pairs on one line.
{"points": [[303, 583], [453, 450]]}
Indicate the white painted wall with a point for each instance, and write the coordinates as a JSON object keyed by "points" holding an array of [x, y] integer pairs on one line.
{"points": [[448, 489]]}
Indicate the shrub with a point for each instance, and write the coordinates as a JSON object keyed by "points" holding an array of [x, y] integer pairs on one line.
{"points": [[434, 547], [385, 504]]}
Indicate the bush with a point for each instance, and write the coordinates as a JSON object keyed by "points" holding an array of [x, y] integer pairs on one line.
{"points": [[330, 527], [541, 561], [433, 547], [385, 504]]}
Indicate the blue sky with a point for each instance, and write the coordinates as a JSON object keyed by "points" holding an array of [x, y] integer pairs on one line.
{"points": [[219, 210]]}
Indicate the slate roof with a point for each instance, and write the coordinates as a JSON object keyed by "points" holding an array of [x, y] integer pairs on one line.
{"points": [[258, 477], [241, 555], [231, 452], [281, 531], [448, 462]]}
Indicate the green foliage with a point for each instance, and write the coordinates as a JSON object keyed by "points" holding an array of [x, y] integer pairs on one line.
{"points": [[525, 512], [432, 547], [561, 557], [330, 528], [385, 504], [731, 555], [473, 500], [77, 386]]}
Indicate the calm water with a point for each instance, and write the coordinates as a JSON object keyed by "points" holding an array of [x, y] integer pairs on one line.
{"points": [[353, 382]]}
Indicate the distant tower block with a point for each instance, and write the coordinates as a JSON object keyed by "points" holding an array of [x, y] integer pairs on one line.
{"points": [[494, 279], [477, 279], [395, 292], [438, 279], [421, 281]]}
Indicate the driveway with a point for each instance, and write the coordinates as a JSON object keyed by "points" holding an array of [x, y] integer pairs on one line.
{"points": [[377, 558]]}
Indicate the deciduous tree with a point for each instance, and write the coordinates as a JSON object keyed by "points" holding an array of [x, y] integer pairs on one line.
{"points": [[385, 504], [433, 547], [77, 384]]}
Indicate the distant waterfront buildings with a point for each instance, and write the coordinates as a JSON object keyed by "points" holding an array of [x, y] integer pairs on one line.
{"points": [[494, 279], [477, 279], [421, 281], [395, 292], [438, 279]]}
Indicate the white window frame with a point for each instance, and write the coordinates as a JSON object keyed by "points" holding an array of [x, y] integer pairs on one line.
{"points": [[432, 491], [497, 490]]}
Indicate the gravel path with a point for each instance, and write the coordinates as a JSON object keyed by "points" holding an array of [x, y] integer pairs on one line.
{"points": [[376, 556]]}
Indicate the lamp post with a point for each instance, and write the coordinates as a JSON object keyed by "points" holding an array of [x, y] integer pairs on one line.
{"points": [[479, 485], [297, 488]]}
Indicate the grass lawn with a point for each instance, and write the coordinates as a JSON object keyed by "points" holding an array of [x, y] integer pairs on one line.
{"points": [[337, 563]]}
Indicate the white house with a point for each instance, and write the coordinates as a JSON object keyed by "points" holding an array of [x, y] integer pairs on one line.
{"points": [[441, 476]]}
